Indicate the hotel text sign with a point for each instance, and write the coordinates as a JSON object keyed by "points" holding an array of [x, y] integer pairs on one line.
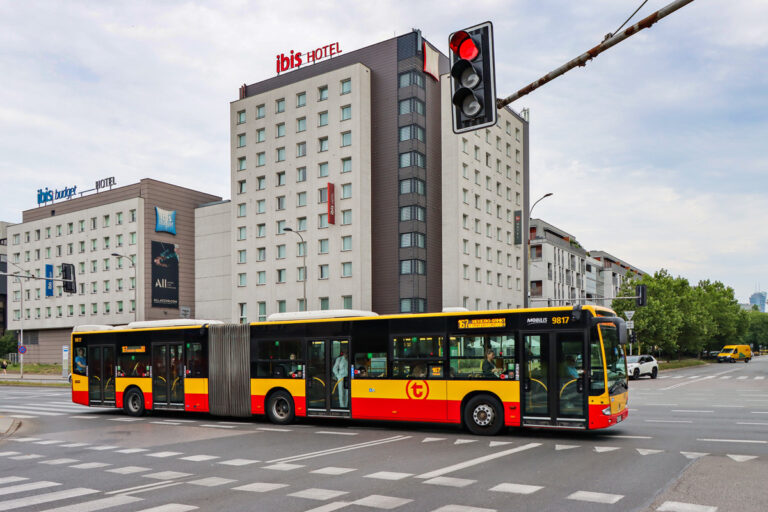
{"points": [[296, 59], [49, 196]]}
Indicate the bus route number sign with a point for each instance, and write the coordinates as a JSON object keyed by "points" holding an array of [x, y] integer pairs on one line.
{"points": [[482, 323]]}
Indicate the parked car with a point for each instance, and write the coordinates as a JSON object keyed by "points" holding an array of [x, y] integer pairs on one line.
{"points": [[640, 365]]}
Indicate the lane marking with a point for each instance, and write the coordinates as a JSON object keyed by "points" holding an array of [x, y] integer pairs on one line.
{"points": [[479, 460], [129, 470], [647, 451], [632, 437], [91, 465], [238, 462], [217, 426], [45, 498], [432, 439], [283, 466], [334, 433], [668, 421], [31, 486], [447, 481], [331, 470], [388, 475], [693, 455], [559, 447], [748, 441], [678, 506], [595, 497], [516, 488], [273, 429], [690, 410], [318, 494], [605, 449], [751, 423], [162, 455], [136, 488], [167, 475], [133, 450], [340, 449], [742, 458], [93, 505], [170, 507], [11, 479], [56, 462], [259, 487], [380, 502], [200, 458], [211, 481], [691, 381]]}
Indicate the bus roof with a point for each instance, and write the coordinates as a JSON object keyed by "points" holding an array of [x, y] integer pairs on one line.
{"points": [[148, 324], [319, 314]]}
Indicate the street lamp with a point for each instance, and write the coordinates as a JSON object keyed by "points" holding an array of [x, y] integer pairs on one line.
{"points": [[21, 330], [530, 214], [135, 285], [304, 261]]}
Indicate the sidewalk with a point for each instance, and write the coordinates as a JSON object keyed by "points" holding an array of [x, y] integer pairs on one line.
{"points": [[33, 378]]}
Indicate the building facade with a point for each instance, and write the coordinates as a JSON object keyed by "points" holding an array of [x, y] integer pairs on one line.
{"points": [[564, 273], [134, 256], [3, 279], [349, 190], [758, 299]]}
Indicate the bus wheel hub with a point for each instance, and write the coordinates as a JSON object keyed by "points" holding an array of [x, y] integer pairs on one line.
{"points": [[483, 415]]}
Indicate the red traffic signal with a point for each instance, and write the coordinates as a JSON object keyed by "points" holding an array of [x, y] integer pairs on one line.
{"points": [[473, 84], [463, 45]]}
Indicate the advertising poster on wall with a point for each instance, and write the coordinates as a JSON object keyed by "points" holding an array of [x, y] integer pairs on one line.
{"points": [[165, 275]]}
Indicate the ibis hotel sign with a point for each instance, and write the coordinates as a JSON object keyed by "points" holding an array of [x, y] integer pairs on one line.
{"points": [[47, 195], [296, 59]]}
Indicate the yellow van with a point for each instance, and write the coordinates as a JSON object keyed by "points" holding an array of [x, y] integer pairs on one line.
{"points": [[733, 353]]}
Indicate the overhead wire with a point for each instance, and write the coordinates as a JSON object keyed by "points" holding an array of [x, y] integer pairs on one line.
{"points": [[611, 34]]}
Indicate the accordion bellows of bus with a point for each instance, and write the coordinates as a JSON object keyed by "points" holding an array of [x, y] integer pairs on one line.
{"points": [[557, 367]]}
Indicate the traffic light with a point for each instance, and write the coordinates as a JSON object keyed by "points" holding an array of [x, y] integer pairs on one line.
{"points": [[632, 336], [68, 275], [473, 82], [641, 291]]}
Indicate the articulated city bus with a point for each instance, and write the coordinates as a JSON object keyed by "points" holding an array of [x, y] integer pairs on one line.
{"points": [[551, 367]]}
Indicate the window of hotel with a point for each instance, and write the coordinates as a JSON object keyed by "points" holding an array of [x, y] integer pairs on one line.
{"points": [[280, 155], [241, 187], [324, 273], [301, 174], [261, 183], [94, 224], [411, 78], [322, 118], [240, 140], [323, 144], [261, 254], [261, 206], [322, 220], [280, 227], [241, 233], [411, 105], [346, 139], [301, 199], [261, 230], [261, 111], [322, 195], [346, 112], [413, 267], [261, 135], [281, 178], [132, 215], [301, 248], [242, 256], [301, 149], [413, 305], [322, 93], [412, 240], [301, 224], [301, 124], [412, 158], [346, 269], [346, 86], [322, 246], [241, 163], [412, 131], [280, 130], [346, 165], [242, 308], [324, 303], [346, 217], [132, 238], [322, 170], [346, 301], [262, 311], [241, 210], [301, 99], [241, 117], [346, 243], [261, 277], [106, 242], [413, 213], [261, 159], [413, 186], [119, 218], [280, 105], [346, 191], [281, 251]]}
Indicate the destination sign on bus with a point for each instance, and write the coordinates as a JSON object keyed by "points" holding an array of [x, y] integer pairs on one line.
{"points": [[134, 349], [482, 323]]}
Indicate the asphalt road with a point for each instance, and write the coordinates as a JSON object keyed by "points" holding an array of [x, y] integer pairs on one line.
{"points": [[696, 440]]}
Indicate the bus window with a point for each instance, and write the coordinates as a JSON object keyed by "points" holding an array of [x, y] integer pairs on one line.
{"points": [[596, 376], [281, 359], [79, 367], [197, 361], [370, 364], [133, 361], [414, 354], [468, 353]]}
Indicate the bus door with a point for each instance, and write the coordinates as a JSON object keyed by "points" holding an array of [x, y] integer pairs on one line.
{"points": [[167, 375], [101, 375], [553, 379], [327, 377]]}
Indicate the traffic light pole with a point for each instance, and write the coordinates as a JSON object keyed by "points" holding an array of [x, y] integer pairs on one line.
{"points": [[610, 41]]}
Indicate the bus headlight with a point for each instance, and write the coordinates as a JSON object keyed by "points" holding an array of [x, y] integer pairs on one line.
{"points": [[607, 411]]}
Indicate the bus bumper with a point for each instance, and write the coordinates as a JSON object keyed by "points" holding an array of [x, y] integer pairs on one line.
{"points": [[598, 419]]}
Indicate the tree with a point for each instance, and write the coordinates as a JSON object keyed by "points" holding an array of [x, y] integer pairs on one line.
{"points": [[757, 330], [729, 319], [8, 343]]}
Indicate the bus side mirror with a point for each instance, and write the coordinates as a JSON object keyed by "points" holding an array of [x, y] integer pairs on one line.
{"points": [[621, 326]]}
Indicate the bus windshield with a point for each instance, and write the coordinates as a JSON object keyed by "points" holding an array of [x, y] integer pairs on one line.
{"points": [[615, 364]]}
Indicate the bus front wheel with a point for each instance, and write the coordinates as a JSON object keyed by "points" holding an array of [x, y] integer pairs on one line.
{"points": [[133, 403], [484, 415], [280, 409]]}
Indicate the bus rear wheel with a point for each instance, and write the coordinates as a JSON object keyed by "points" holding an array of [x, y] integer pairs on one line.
{"points": [[280, 409], [133, 403], [483, 415]]}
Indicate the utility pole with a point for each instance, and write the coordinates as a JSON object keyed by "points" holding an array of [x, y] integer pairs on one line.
{"points": [[609, 41]]}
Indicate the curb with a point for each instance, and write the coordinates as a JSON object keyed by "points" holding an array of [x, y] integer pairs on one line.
{"points": [[8, 426]]}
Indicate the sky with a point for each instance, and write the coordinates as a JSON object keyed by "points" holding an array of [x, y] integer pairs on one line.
{"points": [[655, 151]]}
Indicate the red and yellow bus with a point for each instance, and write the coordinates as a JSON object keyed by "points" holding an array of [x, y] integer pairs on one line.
{"points": [[547, 368]]}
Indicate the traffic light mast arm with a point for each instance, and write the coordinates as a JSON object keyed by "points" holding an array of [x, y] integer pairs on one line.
{"points": [[39, 278], [582, 59]]}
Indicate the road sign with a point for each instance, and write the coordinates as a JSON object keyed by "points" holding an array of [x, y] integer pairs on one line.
{"points": [[629, 314], [630, 324], [22, 349]]}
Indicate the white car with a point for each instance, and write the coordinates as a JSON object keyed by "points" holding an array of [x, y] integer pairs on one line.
{"points": [[638, 366]]}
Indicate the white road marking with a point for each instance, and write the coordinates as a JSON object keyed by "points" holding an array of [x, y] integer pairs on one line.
{"points": [[729, 406], [632, 437], [751, 423], [167, 475], [726, 377], [8, 454], [318, 494], [760, 377], [94, 505], [341, 449], [677, 506], [647, 451], [693, 455], [516, 488], [330, 507], [125, 419], [26, 457], [30, 486], [16, 408], [165, 422], [691, 410], [133, 450], [272, 429], [85, 417], [494, 444], [163, 455], [693, 381], [138, 488], [331, 470], [462, 508], [283, 466], [73, 445], [22, 416], [102, 448], [56, 462], [595, 497], [238, 462], [759, 412], [199, 458], [217, 426], [170, 507], [465, 441], [11, 479], [211, 481], [559, 447], [39, 499], [742, 377], [447, 481], [129, 470], [49, 441], [668, 421], [25, 439], [603, 449], [91, 465], [476, 461], [381, 502], [259, 487], [693, 377], [432, 439], [389, 475], [742, 458], [335, 433], [748, 441]]}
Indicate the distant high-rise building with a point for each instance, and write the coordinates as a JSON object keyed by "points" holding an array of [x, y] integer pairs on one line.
{"points": [[758, 299]]}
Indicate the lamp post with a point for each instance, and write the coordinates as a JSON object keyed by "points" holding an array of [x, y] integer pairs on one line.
{"points": [[21, 330], [304, 263], [135, 285], [530, 214]]}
